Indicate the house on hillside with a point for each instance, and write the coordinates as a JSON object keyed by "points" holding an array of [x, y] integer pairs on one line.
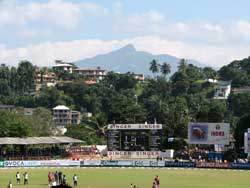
{"points": [[63, 116], [222, 90], [46, 78], [139, 77], [7, 107], [95, 74], [62, 66]]}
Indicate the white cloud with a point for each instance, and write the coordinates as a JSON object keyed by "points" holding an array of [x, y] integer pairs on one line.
{"points": [[33, 33], [243, 27], [182, 27], [55, 12], [213, 27], [80, 49]]}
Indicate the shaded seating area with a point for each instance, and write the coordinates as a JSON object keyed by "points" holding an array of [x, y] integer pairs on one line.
{"points": [[35, 148]]}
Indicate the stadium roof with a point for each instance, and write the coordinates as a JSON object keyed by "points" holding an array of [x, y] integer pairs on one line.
{"points": [[38, 140]]}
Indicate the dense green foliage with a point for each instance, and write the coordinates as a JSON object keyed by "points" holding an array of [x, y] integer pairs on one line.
{"points": [[120, 98]]}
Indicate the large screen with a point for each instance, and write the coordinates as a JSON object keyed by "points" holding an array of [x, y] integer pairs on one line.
{"points": [[134, 138]]}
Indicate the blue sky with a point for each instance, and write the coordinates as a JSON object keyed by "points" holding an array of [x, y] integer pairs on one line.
{"points": [[214, 32]]}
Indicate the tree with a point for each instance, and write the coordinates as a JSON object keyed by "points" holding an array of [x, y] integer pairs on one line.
{"points": [[241, 128], [209, 73], [165, 69], [214, 111], [26, 77], [97, 124], [239, 104], [154, 66], [12, 126]]}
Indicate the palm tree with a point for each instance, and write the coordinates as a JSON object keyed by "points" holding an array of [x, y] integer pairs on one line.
{"points": [[165, 69], [183, 65], [97, 124], [154, 66]]}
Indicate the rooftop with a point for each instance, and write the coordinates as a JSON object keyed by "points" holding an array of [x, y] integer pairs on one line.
{"points": [[61, 107], [38, 140], [63, 65]]}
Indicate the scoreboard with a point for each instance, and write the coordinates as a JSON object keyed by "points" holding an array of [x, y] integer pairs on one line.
{"points": [[134, 137]]}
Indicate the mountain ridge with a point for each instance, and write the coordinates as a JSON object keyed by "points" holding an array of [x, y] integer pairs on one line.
{"points": [[128, 59]]}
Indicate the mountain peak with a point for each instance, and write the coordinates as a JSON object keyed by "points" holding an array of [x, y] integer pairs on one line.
{"points": [[127, 48]]}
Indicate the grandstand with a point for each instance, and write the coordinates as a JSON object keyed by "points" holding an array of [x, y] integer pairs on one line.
{"points": [[35, 148]]}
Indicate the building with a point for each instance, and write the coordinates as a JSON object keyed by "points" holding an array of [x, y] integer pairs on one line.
{"points": [[7, 107], [92, 74], [63, 116], [222, 90], [63, 66], [139, 77], [46, 78], [75, 117], [245, 89]]}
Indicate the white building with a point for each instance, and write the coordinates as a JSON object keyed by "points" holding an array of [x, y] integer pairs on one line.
{"points": [[63, 66], [63, 116], [92, 74], [222, 90]]}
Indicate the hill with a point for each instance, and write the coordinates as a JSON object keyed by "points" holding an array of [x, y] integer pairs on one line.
{"points": [[128, 59]]}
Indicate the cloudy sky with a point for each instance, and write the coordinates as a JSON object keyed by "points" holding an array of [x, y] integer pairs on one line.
{"points": [[214, 32]]}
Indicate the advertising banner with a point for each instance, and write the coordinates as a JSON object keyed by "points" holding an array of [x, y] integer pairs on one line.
{"points": [[59, 163], [212, 165], [157, 163], [109, 163], [14, 163], [134, 126], [208, 133], [247, 142], [91, 163], [240, 166], [134, 154], [125, 163], [141, 163], [1, 164], [179, 164]]}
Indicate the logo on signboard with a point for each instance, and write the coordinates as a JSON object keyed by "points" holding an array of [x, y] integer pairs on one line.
{"points": [[199, 132], [217, 127]]}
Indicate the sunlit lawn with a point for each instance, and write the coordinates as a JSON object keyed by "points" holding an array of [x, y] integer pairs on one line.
{"points": [[122, 177]]}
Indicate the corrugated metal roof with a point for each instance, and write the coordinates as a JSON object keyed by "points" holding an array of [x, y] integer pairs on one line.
{"points": [[38, 140]]}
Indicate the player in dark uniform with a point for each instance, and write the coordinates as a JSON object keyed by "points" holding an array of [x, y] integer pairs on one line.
{"points": [[60, 177]]}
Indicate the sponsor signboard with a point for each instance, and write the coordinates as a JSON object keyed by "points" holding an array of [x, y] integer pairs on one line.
{"points": [[1, 164], [40, 163], [109, 163], [91, 163], [125, 163], [134, 154], [247, 142], [13, 163], [212, 165], [60, 163], [141, 163], [157, 163], [240, 165], [134, 126], [179, 164], [208, 133]]}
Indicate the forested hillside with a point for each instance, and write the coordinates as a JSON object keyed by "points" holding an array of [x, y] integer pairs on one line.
{"points": [[119, 98]]}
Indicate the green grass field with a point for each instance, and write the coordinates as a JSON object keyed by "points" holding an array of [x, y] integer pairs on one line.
{"points": [[122, 177]]}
